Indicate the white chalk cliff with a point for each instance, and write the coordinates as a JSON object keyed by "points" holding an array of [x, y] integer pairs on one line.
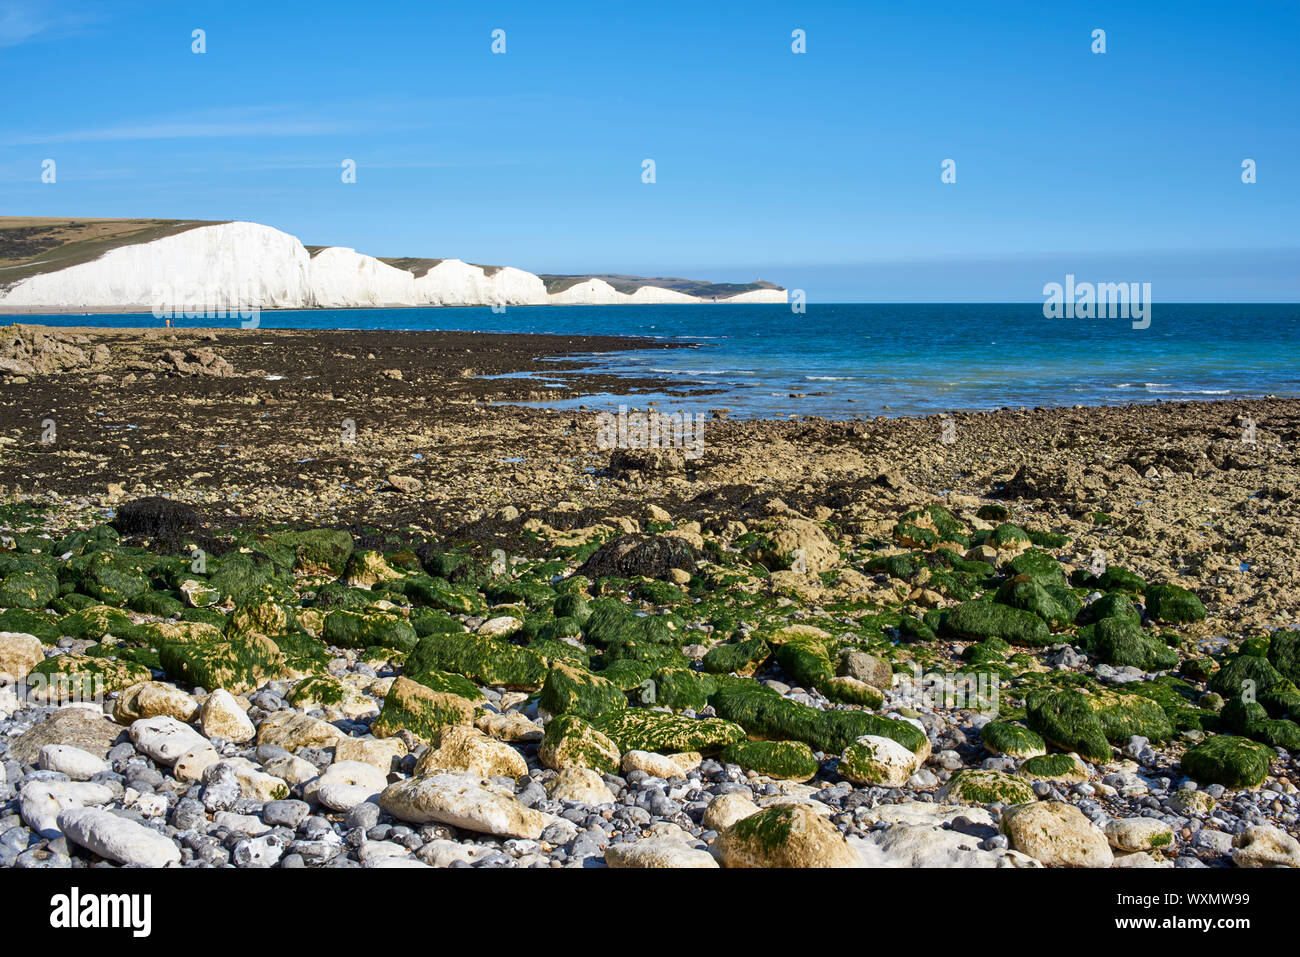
{"points": [[254, 265]]}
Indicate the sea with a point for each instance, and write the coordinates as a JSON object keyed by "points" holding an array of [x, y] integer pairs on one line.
{"points": [[851, 360]]}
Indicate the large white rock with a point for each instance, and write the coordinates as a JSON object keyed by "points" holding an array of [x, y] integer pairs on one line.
{"points": [[1056, 833], [117, 838], [41, 803], [164, 738], [19, 654], [464, 801], [222, 717], [345, 784], [658, 853], [77, 764]]}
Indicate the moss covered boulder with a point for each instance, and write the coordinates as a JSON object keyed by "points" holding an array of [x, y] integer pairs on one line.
{"points": [[350, 629], [317, 551], [485, 661], [413, 707], [572, 690], [1120, 641], [1065, 719], [571, 742], [786, 835], [1064, 768], [1013, 740], [640, 729], [789, 760], [238, 665], [1173, 604], [82, 677], [1284, 654], [976, 620], [877, 761], [980, 786], [31, 588], [736, 657], [1232, 761]]}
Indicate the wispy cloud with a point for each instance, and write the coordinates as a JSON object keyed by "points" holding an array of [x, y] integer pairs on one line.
{"points": [[27, 22], [236, 123]]}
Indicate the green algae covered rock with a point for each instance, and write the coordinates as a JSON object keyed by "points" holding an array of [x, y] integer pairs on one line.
{"points": [[317, 551], [571, 742], [629, 674], [1119, 641], [681, 689], [1250, 719], [322, 690], [238, 664], [97, 621], [459, 599], [1115, 604], [423, 712], [804, 658], [572, 606], [448, 683], [975, 620], [1038, 566], [788, 760], [350, 629], [485, 661], [979, 786], [1009, 535], [574, 690], [1015, 740], [1284, 654], [31, 588], [1054, 767], [1065, 719], [85, 677], [612, 624], [1116, 578], [736, 657], [26, 622], [1173, 604], [640, 729], [764, 713], [366, 567], [1245, 673], [158, 603], [110, 578], [878, 762], [1229, 760], [785, 836], [1055, 605]]}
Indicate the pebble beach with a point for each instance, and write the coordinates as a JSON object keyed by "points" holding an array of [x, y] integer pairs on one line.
{"points": [[275, 598]]}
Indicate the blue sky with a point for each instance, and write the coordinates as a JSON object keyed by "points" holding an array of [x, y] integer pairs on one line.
{"points": [[818, 170]]}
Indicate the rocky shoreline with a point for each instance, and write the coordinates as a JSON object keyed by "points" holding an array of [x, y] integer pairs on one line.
{"points": [[330, 599]]}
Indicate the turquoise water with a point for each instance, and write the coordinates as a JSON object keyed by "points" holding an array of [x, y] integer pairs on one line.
{"points": [[873, 359]]}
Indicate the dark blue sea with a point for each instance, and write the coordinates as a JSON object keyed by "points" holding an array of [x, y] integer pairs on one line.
{"points": [[843, 360]]}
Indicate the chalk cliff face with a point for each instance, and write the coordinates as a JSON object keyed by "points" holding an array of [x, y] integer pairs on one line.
{"points": [[247, 264], [239, 260]]}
